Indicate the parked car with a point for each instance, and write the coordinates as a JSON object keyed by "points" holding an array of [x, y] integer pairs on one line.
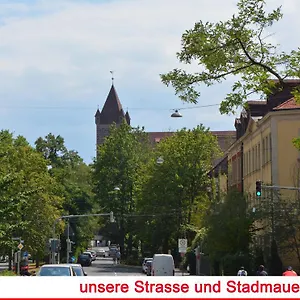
{"points": [[84, 259], [101, 253], [144, 264], [89, 253], [163, 265], [78, 269], [93, 253], [149, 267], [113, 251], [56, 270]]}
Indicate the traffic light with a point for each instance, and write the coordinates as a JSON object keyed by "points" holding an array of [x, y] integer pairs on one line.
{"points": [[258, 188]]}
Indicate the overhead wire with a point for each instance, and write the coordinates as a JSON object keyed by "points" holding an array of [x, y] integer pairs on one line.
{"points": [[90, 108]]}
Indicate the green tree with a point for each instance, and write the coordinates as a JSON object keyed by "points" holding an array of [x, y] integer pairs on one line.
{"points": [[237, 47], [174, 192], [75, 186], [230, 229], [117, 166], [29, 202]]}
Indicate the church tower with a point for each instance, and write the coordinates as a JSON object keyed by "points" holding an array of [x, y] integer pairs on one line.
{"points": [[112, 112]]}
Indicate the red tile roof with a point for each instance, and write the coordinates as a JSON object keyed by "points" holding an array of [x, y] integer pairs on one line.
{"points": [[289, 104]]}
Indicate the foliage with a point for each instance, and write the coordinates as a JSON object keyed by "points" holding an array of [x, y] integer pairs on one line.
{"points": [[229, 227], [29, 202], [74, 184], [117, 165], [237, 47], [173, 194], [275, 268], [7, 273]]}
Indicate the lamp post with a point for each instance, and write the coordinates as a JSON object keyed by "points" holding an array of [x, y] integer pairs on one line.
{"points": [[176, 114]]}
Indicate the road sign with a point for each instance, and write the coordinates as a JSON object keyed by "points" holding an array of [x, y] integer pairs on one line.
{"points": [[182, 245], [25, 254], [20, 246]]}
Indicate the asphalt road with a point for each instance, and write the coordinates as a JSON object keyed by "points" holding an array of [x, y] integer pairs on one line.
{"points": [[105, 267]]}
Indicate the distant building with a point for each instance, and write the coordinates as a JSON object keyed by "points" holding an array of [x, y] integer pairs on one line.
{"points": [[112, 112]]}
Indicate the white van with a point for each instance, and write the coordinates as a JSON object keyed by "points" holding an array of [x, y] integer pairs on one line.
{"points": [[163, 265]]}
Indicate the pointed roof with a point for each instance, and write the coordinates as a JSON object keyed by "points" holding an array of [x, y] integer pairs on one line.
{"points": [[112, 110], [289, 104], [97, 113]]}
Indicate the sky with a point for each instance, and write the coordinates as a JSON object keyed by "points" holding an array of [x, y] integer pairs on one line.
{"points": [[56, 57]]}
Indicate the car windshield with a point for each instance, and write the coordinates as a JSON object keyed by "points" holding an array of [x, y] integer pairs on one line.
{"points": [[55, 271], [84, 256], [78, 271]]}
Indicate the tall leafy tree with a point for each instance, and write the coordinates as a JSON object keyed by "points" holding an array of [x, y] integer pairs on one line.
{"points": [[175, 191], [238, 47], [75, 186], [29, 202], [230, 230], [116, 173]]}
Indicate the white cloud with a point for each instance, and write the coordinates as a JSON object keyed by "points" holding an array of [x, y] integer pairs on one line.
{"points": [[60, 52]]}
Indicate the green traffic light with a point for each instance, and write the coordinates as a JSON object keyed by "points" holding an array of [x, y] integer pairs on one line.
{"points": [[258, 194]]}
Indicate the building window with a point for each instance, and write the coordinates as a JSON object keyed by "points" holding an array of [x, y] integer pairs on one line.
{"points": [[256, 160], [270, 147], [258, 156], [249, 162], [244, 164], [263, 151], [253, 159], [267, 149]]}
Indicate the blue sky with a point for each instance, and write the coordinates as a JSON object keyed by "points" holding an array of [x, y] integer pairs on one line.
{"points": [[56, 57]]}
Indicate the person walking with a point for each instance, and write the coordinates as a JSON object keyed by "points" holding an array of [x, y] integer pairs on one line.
{"points": [[118, 257], [242, 272], [261, 271], [289, 272]]}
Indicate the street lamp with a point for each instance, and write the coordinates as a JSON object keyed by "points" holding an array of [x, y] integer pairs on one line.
{"points": [[116, 188], [176, 114], [160, 160]]}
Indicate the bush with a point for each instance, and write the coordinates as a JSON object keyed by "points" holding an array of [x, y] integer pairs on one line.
{"points": [[7, 273]]}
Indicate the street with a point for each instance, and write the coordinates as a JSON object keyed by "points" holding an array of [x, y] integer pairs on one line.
{"points": [[105, 267]]}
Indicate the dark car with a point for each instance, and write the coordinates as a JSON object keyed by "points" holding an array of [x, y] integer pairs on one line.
{"points": [[84, 260]]}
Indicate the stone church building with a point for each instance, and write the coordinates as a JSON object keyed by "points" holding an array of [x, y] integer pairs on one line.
{"points": [[112, 112]]}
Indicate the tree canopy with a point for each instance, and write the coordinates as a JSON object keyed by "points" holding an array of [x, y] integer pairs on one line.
{"points": [[238, 48]]}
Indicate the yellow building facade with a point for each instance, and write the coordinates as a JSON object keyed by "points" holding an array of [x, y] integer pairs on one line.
{"points": [[268, 155]]}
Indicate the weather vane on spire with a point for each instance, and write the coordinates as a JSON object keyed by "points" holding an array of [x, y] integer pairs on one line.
{"points": [[112, 76]]}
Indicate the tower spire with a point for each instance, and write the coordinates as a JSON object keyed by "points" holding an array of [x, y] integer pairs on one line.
{"points": [[112, 77]]}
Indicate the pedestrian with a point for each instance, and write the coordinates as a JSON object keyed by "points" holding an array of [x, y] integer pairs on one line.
{"points": [[289, 272], [261, 271], [242, 272], [118, 256]]}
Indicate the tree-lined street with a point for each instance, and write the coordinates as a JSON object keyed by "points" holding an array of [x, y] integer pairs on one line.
{"points": [[143, 197]]}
